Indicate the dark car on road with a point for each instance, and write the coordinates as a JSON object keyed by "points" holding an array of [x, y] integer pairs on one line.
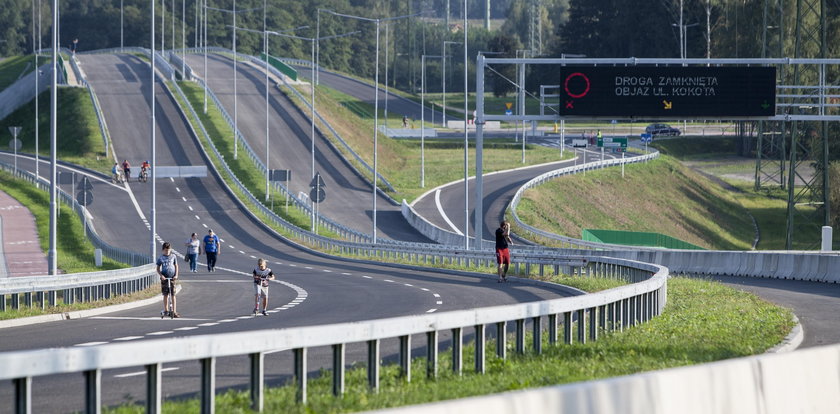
{"points": [[661, 129]]}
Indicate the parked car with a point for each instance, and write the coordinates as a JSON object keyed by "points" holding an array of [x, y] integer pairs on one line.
{"points": [[662, 129]]}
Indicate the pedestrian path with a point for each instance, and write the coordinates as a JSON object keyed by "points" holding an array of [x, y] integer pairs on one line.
{"points": [[20, 251]]}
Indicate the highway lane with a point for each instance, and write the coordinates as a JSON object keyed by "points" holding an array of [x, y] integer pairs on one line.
{"points": [[349, 200], [365, 92], [318, 289], [446, 208]]}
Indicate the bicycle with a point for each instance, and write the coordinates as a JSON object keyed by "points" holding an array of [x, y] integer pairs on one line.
{"points": [[117, 178], [144, 176]]}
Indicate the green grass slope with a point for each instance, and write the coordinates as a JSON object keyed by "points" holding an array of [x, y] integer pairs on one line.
{"points": [[660, 196], [79, 139]]}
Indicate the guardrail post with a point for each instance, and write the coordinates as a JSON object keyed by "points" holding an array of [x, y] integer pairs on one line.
{"points": [[257, 380], [480, 342], [581, 326], [2, 303], [53, 298], [208, 385], [520, 336], [457, 350], [338, 369], [153, 388], [300, 373], [552, 329], [501, 339], [15, 301], [602, 317], [27, 299], [625, 314], [593, 320], [431, 354], [373, 364], [405, 357], [537, 321], [93, 391], [23, 395], [567, 327]]}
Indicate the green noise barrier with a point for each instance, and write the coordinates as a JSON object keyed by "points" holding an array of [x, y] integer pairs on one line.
{"points": [[282, 67]]}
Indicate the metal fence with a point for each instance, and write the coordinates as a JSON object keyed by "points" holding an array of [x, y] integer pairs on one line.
{"points": [[582, 319]]}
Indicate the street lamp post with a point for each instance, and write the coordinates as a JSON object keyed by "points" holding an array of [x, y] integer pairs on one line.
{"points": [[443, 76], [235, 73], [154, 160], [52, 256], [423, 118], [376, 100], [466, 141], [312, 41]]}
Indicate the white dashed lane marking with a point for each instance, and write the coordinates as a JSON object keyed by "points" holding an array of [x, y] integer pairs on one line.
{"points": [[128, 338], [184, 198], [431, 310], [190, 207], [91, 344], [160, 333]]}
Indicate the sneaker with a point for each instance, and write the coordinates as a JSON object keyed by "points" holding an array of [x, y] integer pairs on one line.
{"points": [[499, 281], [176, 315], [504, 278], [264, 313], [256, 311]]}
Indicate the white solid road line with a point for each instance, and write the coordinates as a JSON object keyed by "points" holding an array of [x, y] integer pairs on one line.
{"points": [[443, 214]]}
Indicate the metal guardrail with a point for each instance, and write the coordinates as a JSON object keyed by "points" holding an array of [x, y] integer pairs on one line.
{"points": [[570, 242], [582, 318]]}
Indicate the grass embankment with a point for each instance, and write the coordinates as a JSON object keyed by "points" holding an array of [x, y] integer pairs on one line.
{"points": [[16, 67], [79, 139], [717, 156], [399, 160], [660, 196], [243, 168], [704, 321]]}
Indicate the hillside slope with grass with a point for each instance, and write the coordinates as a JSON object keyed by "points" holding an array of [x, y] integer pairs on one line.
{"points": [[79, 139], [660, 196]]}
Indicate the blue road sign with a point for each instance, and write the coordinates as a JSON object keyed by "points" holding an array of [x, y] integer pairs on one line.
{"points": [[646, 138]]}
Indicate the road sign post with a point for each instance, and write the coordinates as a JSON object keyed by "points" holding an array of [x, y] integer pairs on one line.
{"points": [[15, 143], [317, 195]]}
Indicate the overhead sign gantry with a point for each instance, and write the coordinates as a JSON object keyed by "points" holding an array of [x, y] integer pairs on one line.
{"points": [[674, 91]]}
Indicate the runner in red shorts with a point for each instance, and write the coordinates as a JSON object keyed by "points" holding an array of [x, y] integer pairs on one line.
{"points": [[502, 252]]}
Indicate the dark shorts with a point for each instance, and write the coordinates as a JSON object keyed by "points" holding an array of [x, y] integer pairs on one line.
{"points": [[503, 256], [164, 287]]}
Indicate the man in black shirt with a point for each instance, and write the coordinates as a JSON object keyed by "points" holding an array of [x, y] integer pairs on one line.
{"points": [[502, 252]]}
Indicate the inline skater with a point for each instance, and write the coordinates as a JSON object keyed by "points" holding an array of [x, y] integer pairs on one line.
{"points": [[262, 274]]}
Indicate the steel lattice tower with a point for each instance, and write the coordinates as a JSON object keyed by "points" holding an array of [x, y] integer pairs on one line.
{"points": [[807, 137]]}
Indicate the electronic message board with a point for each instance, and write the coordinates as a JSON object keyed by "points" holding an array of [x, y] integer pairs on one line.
{"points": [[667, 92]]}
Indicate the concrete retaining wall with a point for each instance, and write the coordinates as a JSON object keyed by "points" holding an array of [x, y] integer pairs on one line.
{"points": [[23, 91], [806, 381]]}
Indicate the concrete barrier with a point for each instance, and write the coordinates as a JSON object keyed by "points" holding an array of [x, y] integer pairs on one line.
{"points": [[23, 91], [806, 381]]}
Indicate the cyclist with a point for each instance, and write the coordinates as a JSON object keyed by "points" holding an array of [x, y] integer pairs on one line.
{"points": [[167, 269], [126, 169], [117, 174], [262, 274], [144, 171]]}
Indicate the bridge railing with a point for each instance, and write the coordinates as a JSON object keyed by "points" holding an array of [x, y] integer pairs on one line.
{"points": [[582, 318]]}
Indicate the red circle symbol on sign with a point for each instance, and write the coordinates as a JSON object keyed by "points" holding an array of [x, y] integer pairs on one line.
{"points": [[579, 94]]}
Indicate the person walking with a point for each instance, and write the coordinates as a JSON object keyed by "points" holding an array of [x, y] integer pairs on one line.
{"points": [[167, 270], [212, 247], [502, 250], [193, 247], [262, 274]]}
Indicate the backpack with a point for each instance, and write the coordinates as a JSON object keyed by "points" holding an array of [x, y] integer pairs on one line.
{"points": [[167, 267]]}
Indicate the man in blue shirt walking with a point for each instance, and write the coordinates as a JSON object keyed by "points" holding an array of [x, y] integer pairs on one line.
{"points": [[212, 247]]}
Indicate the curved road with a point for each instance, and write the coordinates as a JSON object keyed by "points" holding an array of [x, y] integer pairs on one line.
{"points": [[312, 289]]}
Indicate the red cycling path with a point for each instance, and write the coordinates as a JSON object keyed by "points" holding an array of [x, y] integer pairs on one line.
{"points": [[20, 250]]}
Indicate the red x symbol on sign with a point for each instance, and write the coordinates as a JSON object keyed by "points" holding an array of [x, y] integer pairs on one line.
{"points": [[570, 104]]}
